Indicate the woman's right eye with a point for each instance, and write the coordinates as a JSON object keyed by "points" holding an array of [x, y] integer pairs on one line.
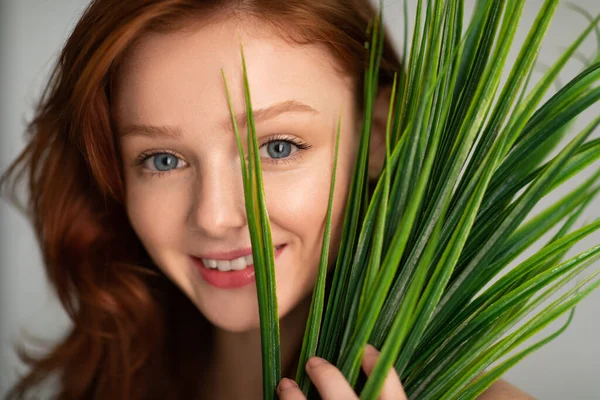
{"points": [[161, 162]]}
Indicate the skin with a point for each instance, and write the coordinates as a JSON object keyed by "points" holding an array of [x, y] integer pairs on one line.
{"points": [[197, 205], [331, 384]]}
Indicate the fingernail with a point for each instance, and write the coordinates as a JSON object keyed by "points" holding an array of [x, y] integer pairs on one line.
{"points": [[286, 384], [371, 349], [314, 362]]}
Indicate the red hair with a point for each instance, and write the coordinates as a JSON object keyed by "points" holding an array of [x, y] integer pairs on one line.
{"points": [[130, 323]]}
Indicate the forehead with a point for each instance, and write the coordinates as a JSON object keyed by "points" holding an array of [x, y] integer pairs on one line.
{"points": [[165, 78]]}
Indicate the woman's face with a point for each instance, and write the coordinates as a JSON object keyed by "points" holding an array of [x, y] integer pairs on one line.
{"points": [[184, 192]]}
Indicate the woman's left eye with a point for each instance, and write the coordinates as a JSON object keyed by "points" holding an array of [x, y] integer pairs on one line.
{"points": [[280, 149]]}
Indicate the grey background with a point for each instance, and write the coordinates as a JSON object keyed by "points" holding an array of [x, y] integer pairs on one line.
{"points": [[31, 34]]}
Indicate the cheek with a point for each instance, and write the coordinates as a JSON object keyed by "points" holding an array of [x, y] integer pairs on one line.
{"points": [[298, 202], [154, 211]]}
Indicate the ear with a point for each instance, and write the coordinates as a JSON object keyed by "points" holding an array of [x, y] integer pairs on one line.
{"points": [[377, 145]]}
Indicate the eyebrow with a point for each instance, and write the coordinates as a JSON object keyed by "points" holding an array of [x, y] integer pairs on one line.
{"points": [[261, 114], [266, 113], [152, 131]]}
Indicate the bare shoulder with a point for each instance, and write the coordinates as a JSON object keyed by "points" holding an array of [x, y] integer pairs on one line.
{"points": [[502, 390]]}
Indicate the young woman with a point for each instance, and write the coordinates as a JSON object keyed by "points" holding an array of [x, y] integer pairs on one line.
{"points": [[137, 197]]}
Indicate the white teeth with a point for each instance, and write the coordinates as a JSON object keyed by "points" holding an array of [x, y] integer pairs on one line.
{"points": [[223, 265], [238, 264], [226, 265]]}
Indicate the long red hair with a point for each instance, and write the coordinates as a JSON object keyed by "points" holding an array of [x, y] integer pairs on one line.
{"points": [[130, 323]]}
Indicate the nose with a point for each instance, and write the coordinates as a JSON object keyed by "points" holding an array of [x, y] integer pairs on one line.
{"points": [[218, 206]]}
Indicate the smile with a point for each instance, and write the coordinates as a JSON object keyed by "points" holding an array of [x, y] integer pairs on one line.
{"points": [[236, 264], [229, 274]]}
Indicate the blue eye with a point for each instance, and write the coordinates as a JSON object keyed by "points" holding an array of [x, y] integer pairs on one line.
{"points": [[160, 162], [165, 162], [282, 149], [279, 148]]}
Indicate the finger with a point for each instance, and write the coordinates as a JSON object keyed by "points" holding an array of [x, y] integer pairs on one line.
{"points": [[392, 387], [329, 381], [288, 390]]}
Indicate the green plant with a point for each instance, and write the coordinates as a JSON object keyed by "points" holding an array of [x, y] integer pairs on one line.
{"points": [[466, 162]]}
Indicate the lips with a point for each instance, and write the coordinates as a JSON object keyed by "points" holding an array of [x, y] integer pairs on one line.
{"points": [[229, 279], [230, 255]]}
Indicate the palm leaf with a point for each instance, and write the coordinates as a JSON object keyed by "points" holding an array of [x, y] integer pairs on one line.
{"points": [[262, 246], [313, 326], [467, 160]]}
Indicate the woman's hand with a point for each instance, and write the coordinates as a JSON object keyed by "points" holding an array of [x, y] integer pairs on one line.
{"points": [[332, 385]]}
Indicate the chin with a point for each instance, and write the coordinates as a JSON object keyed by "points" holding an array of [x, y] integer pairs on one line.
{"points": [[233, 325], [243, 321], [227, 317]]}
